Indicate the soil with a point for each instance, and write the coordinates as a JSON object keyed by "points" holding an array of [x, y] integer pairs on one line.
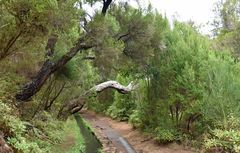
{"points": [[109, 131]]}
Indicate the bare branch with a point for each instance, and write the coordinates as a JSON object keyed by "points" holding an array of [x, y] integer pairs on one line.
{"points": [[89, 58], [114, 85], [122, 36]]}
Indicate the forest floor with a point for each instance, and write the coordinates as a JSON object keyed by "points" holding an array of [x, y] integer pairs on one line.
{"points": [[109, 131]]}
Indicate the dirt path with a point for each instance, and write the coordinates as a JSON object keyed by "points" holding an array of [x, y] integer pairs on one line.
{"points": [[109, 131]]}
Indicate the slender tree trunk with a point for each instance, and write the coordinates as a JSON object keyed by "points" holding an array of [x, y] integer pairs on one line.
{"points": [[46, 93], [49, 104], [6, 51], [49, 91]]}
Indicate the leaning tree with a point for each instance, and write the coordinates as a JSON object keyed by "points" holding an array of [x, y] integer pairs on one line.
{"points": [[49, 67]]}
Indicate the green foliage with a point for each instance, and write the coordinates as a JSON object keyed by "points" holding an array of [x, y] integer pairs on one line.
{"points": [[141, 116], [7, 85], [187, 83], [188, 87], [225, 138], [53, 125], [135, 119], [166, 135], [226, 25], [123, 105], [136, 28], [223, 85], [71, 133], [224, 141], [15, 130]]}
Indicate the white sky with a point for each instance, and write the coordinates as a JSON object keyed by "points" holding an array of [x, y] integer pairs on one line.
{"points": [[199, 11]]}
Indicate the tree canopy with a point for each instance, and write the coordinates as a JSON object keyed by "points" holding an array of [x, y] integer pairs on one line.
{"points": [[171, 82]]}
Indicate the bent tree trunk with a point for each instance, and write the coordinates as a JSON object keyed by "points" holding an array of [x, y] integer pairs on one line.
{"points": [[77, 104], [71, 107], [49, 68]]}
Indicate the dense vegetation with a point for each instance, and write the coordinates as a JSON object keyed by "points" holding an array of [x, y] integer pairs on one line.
{"points": [[187, 85]]}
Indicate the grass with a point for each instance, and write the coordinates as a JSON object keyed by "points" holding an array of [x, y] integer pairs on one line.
{"points": [[73, 142]]}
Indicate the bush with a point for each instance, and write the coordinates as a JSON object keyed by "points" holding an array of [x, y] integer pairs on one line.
{"points": [[35, 137], [135, 119], [47, 129], [225, 138], [15, 130], [164, 135], [223, 141]]}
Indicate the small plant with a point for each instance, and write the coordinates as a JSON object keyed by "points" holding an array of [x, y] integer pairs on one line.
{"points": [[135, 119], [223, 141], [123, 105], [15, 130], [226, 139], [164, 135]]}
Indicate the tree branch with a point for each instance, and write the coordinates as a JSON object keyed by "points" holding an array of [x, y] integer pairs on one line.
{"points": [[49, 68], [114, 85], [77, 103], [49, 104], [11, 42], [122, 36], [89, 58]]}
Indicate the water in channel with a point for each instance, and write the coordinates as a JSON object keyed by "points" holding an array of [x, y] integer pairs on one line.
{"points": [[93, 145]]}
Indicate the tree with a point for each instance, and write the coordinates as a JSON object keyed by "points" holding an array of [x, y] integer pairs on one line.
{"points": [[226, 26], [228, 13], [50, 67]]}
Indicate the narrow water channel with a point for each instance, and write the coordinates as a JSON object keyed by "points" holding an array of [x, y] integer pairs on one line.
{"points": [[93, 145]]}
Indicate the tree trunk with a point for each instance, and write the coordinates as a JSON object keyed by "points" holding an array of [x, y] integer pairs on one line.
{"points": [[106, 4], [47, 69], [70, 108]]}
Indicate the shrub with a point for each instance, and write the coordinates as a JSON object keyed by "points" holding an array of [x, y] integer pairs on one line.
{"points": [[223, 141], [15, 130], [135, 119], [225, 138], [164, 135], [47, 129]]}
